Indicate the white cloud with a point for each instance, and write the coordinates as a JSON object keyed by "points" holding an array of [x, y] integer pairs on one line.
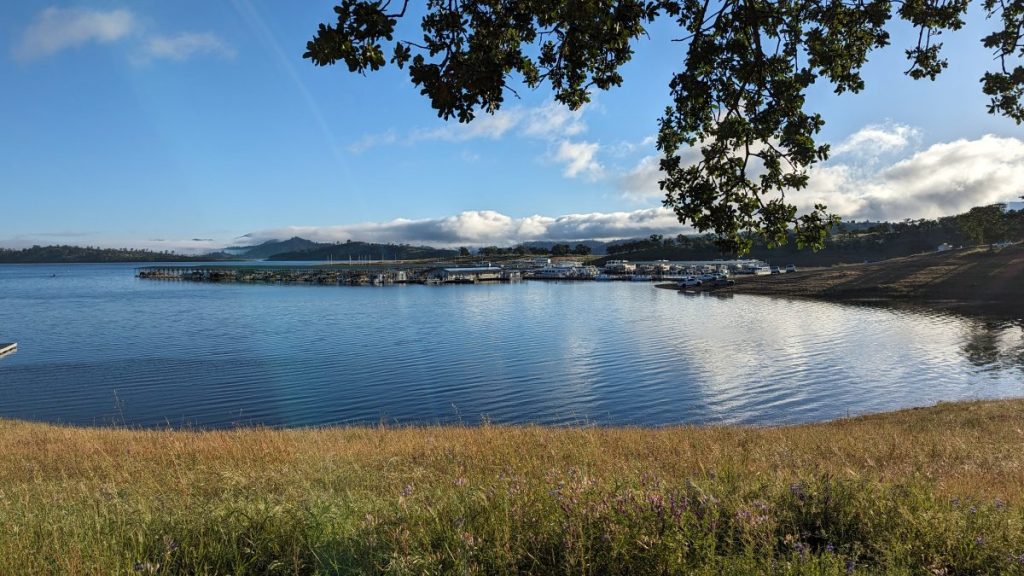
{"points": [[57, 29], [469, 228], [580, 159], [185, 45], [944, 179], [641, 182], [489, 126], [372, 141], [626, 148], [877, 139], [485, 227], [551, 122]]}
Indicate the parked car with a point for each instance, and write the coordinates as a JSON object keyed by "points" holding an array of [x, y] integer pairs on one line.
{"points": [[689, 282], [791, 268], [776, 270], [724, 282]]}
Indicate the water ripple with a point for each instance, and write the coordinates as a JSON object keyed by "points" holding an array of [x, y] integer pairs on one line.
{"points": [[98, 346]]}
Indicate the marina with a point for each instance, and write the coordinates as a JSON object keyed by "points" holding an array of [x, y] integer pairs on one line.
{"points": [[332, 275], [435, 273]]}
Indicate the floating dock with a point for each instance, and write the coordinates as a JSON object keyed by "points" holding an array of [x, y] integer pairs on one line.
{"points": [[334, 275], [8, 347]]}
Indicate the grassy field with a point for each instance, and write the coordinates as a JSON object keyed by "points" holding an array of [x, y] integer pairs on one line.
{"points": [[929, 491]]}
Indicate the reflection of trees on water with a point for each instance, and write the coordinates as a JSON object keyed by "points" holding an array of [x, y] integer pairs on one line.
{"points": [[995, 344]]}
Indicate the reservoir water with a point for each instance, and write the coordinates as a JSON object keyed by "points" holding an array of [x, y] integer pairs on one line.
{"points": [[98, 346]]}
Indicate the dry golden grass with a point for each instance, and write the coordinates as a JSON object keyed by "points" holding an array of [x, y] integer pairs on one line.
{"points": [[84, 500], [974, 448]]}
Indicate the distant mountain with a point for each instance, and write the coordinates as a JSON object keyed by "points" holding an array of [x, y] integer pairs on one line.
{"points": [[272, 247], [77, 254], [364, 251]]}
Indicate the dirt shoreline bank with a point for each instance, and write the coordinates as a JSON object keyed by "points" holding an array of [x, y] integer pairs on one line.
{"points": [[975, 282]]}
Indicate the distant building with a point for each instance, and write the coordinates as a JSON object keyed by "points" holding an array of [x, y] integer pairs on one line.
{"points": [[576, 272], [472, 275], [619, 267]]}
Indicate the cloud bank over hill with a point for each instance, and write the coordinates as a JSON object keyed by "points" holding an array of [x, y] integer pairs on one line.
{"points": [[486, 227], [943, 179]]}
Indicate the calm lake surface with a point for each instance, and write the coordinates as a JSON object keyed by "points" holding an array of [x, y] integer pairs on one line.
{"points": [[98, 346]]}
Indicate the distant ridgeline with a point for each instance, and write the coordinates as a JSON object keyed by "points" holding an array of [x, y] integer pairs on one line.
{"points": [[301, 249], [73, 254], [850, 242], [367, 251]]}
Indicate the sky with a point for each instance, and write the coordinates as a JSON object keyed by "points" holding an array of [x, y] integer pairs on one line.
{"points": [[196, 125]]}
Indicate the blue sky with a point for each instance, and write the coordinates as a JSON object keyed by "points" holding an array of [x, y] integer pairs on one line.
{"points": [[189, 125]]}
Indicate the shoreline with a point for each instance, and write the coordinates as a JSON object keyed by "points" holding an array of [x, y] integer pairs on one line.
{"points": [[971, 282], [488, 425]]}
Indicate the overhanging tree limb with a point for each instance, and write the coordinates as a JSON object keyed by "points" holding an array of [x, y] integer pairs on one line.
{"points": [[732, 99]]}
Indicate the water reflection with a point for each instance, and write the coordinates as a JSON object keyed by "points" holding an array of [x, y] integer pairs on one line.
{"points": [[994, 345], [98, 346]]}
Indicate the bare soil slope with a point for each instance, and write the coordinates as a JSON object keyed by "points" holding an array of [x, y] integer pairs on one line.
{"points": [[975, 281]]}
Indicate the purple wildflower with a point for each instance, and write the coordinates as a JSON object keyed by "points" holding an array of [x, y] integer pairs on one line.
{"points": [[797, 490]]}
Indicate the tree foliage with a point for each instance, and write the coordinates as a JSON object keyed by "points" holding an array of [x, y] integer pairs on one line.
{"points": [[560, 250], [72, 254], [740, 96], [848, 242], [986, 224]]}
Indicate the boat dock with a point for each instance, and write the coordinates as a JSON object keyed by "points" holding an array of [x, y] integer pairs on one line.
{"points": [[8, 347], [330, 275]]}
